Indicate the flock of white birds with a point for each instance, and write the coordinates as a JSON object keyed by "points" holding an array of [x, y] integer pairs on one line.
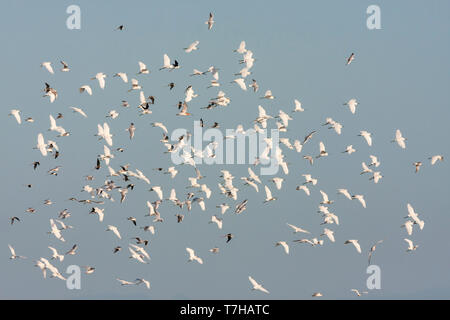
{"points": [[103, 192]]}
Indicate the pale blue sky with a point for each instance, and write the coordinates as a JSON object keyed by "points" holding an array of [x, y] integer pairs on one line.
{"points": [[400, 77]]}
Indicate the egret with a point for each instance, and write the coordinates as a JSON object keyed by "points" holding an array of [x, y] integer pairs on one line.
{"points": [[352, 103]]}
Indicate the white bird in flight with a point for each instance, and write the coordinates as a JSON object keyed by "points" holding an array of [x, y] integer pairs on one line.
{"points": [[193, 257], [256, 285]]}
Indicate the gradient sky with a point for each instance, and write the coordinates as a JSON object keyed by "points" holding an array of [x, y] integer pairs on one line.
{"points": [[400, 77]]}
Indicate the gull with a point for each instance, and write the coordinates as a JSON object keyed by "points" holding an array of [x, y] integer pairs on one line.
{"points": [[408, 225], [268, 195], [399, 139], [192, 46], [317, 294], [135, 86], [189, 95], [131, 129], [149, 228], [268, 95], [168, 65], [374, 162], [325, 199], [101, 79], [345, 193], [256, 285], [253, 175], [16, 114], [55, 231], [355, 244], [214, 250], [349, 150], [223, 208], [145, 282], [352, 103], [366, 169], [80, 111], [48, 66], [198, 73], [113, 114], [284, 245], [350, 59], [435, 159], [86, 88], [372, 249], [16, 219], [120, 28], [65, 67], [143, 68], [417, 165], [132, 219], [183, 112], [278, 182], [41, 265], [193, 257], [262, 117], [367, 136], [360, 198], [250, 183], [50, 92], [329, 233], [55, 254], [309, 158], [359, 293], [376, 176], [337, 127], [241, 48], [114, 230], [172, 171], [210, 21], [125, 282], [244, 72], [414, 216], [217, 221], [137, 256], [323, 152], [411, 246], [158, 191], [122, 76], [160, 125], [50, 267], [200, 202], [298, 106], [140, 250], [13, 253], [308, 137], [241, 83], [298, 146], [99, 212], [284, 118], [229, 236], [297, 229], [73, 250], [309, 179], [254, 85], [88, 269]]}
